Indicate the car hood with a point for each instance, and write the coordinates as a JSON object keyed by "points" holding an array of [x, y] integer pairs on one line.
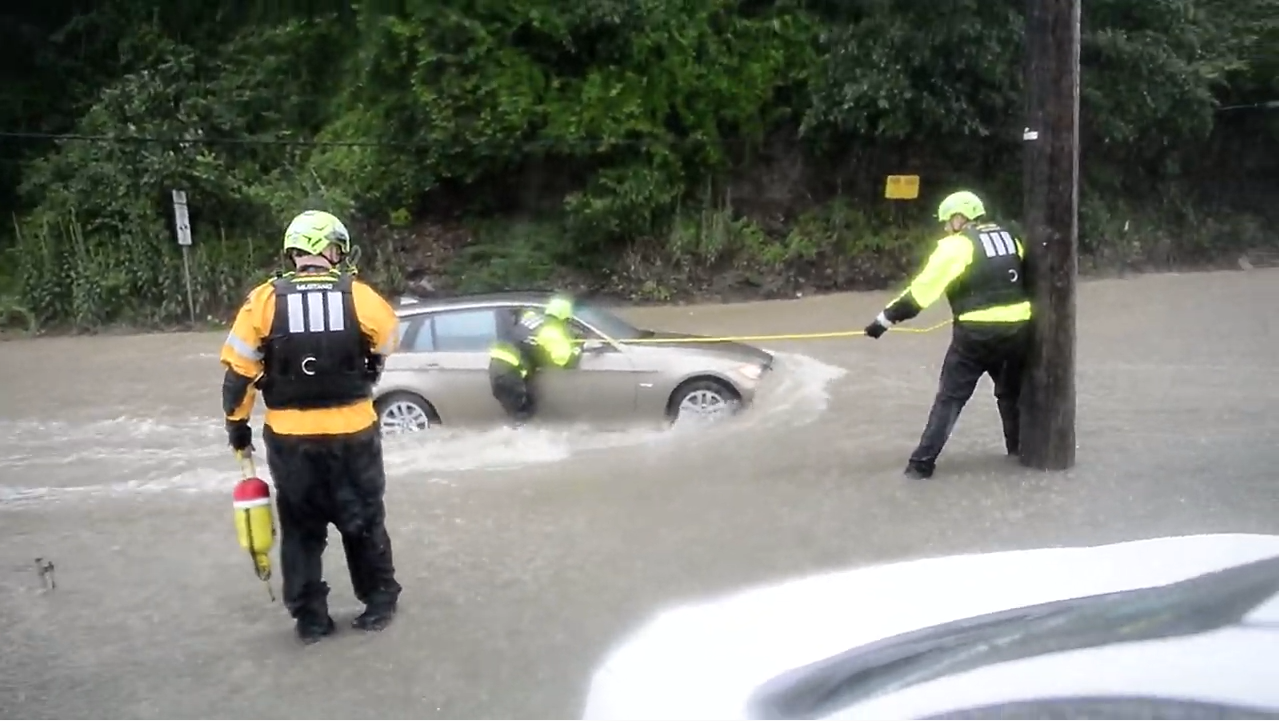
{"points": [[740, 351], [704, 660]]}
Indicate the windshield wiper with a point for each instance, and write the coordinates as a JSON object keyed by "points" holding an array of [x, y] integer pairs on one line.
{"points": [[893, 663]]}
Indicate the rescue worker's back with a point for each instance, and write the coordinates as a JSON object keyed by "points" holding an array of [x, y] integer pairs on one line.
{"points": [[313, 341], [322, 315], [978, 267]]}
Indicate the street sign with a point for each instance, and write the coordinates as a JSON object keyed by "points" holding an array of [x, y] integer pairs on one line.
{"points": [[183, 224], [181, 220], [902, 187]]}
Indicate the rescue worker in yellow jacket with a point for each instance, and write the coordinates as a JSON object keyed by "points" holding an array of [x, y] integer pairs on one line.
{"points": [[531, 342], [978, 266], [313, 341]]}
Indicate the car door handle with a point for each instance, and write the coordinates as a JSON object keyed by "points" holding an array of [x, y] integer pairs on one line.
{"points": [[432, 365]]}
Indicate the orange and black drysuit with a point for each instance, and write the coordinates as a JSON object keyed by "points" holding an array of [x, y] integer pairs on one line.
{"points": [[980, 271], [313, 342]]}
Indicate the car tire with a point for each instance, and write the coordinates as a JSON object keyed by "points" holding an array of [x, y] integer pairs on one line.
{"points": [[404, 412], [703, 399]]}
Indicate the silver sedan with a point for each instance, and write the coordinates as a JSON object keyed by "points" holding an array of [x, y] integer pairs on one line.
{"points": [[626, 374]]}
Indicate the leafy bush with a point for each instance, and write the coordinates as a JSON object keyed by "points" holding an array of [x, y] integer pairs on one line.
{"points": [[622, 126]]}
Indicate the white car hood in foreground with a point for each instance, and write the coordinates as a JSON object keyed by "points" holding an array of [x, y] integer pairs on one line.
{"points": [[705, 660]]}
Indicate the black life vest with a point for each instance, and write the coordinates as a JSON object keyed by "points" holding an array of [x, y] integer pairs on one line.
{"points": [[515, 334], [315, 355], [996, 276]]}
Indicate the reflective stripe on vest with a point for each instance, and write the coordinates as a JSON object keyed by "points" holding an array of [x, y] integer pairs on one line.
{"points": [[507, 354], [1013, 313]]}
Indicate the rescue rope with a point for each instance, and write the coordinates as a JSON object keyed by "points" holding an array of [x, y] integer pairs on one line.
{"points": [[778, 336]]}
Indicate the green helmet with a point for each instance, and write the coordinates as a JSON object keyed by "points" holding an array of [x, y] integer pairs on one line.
{"points": [[560, 306], [312, 231], [962, 203]]}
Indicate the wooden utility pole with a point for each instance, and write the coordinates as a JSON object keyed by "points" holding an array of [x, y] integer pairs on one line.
{"points": [[1051, 199]]}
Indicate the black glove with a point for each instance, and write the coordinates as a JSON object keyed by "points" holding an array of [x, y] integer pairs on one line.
{"points": [[876, 329], [239, 435]]}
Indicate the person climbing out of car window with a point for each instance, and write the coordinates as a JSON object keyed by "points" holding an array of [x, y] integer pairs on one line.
{"points": [[509, 364], [525, 345]]}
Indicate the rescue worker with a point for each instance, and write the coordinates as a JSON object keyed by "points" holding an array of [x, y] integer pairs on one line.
{"points": [[978, 265], [313, 340], [523, 347]]}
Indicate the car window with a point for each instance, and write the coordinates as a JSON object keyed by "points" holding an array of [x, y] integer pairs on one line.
{"points": [[578, 330], [607, 322], [581, 332], [465, 331], [415, 335], [508, 316]]}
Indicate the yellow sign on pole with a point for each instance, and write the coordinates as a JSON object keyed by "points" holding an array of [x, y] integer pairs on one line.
{"points": [[902, 187]]}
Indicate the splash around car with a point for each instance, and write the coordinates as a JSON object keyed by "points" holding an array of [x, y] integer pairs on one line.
{"points": [[439, 375]]}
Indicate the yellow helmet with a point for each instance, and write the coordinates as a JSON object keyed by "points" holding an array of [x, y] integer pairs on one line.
{"points": [[560, 306], [963, 203], [312, 231]]}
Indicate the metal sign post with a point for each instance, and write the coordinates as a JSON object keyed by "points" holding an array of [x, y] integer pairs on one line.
{"points": [[183, 223]]}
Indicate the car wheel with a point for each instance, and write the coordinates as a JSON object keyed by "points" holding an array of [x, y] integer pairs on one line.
{"points": [[703, 400], [405, 413]]}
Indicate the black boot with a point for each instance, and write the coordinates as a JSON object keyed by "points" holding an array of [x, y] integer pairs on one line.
{"points": [[376, 617], [313, 627], [918, 471]]}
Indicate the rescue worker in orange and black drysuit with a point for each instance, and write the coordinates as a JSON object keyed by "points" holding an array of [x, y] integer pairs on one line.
{"points": [[534, 340], [313, 340], [979, 268]]}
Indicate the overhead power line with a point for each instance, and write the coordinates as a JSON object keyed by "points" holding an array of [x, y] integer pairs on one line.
{"points": [[1268, 105], [302, 142]]}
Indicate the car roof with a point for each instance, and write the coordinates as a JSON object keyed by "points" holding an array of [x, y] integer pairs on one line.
{"points": [[412, 304]]}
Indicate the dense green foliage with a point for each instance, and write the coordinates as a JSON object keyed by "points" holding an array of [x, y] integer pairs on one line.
{"points": [[648, 145]]}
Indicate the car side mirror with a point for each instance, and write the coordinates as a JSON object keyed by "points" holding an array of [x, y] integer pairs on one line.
{"points": [[594, 346]]}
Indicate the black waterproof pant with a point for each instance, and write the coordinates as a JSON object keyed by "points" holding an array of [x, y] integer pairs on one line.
{"points": [[511, 389], [976, 349], [331, 479]]}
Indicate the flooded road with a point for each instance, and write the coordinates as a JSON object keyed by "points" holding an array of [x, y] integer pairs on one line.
{"points": [[524, 555]]}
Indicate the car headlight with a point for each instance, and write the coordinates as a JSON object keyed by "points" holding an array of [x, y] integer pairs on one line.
{"points": [[752, 372]]}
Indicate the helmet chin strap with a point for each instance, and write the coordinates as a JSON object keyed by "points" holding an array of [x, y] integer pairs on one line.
{"points": [[351, 258]]}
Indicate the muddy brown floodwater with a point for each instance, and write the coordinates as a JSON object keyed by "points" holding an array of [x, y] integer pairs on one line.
{"points": [[525, 555]]}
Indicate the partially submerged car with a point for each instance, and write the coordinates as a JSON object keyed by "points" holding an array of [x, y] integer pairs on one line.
{"points": [[626, 374], [1174, 627]]}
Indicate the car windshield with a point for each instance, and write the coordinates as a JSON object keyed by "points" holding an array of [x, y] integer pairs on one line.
{"points": [[607, 323], [1187, 607]]}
